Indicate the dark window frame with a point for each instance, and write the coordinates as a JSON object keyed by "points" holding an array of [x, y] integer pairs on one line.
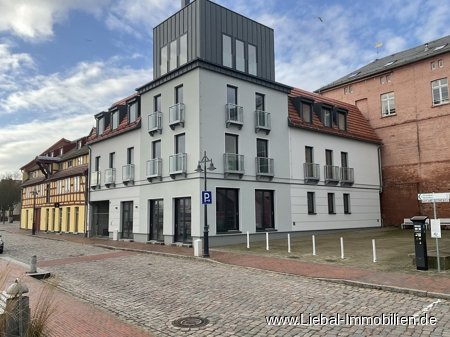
{"points": [[311, 202], [331, 203]]}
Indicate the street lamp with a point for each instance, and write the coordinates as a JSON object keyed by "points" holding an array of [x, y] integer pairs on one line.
{"points": [[199, 169], [33, 229]]}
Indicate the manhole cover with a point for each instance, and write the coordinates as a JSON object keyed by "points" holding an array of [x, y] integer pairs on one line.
{"points": [[190, 322]]}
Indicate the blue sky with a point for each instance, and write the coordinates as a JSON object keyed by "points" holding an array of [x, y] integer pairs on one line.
{"points": [[62, 61]]}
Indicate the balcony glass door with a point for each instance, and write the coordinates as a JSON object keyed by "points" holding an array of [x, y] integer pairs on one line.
{"points": [[156, 220], [183, 220], [127, 220], [227, 210]]}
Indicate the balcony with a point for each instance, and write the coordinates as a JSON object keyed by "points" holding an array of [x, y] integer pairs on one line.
{"points": [[177, 164], [95, 179], [311, 173], [110, 177], [234, 115], [263, 121], [332, 174], [155, 122], [128, 174], [154, 169], [176, 115], [347, 176], [264, 167], [233, 164]]}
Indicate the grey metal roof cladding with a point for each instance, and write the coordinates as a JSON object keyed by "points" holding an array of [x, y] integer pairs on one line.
{"points": [[424, 51]]}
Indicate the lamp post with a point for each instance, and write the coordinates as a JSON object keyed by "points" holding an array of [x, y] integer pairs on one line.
{"points": [[33, 229], [199, 169]]}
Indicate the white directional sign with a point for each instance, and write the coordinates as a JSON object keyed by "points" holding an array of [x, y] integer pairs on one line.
{"points": [[433, 197], [436, 228]]}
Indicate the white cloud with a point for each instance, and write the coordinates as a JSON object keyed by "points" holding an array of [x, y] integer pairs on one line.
{"points": [[34, 20], [21, 143], [86, 88]]}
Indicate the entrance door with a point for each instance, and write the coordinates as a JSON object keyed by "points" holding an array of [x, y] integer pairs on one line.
{"points": [[156, 220], [127, 220], [264, 209], [183, 220], [100, 218], [38, 219]]}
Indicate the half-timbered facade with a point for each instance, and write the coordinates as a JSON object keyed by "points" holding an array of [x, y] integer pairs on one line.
{"points": [[53, 188]]}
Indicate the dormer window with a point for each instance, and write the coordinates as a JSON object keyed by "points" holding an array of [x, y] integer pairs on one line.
{"points": [[79, 144], [61, 151], [100, 125], [326, 116], [306, 111], [342, 119], [115, 119], [133, 111]]}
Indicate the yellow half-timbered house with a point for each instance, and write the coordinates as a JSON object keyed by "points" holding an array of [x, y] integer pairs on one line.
{"points": [[54, 189]]}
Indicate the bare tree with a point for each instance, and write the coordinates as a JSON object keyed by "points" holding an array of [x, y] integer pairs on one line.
{"points": [[9, 194]]}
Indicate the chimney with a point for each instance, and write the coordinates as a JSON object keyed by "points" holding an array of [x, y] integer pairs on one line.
{"points": [[184, 3]]}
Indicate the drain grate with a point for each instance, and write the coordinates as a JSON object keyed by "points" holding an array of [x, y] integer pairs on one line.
{"points": [[190, 322]]}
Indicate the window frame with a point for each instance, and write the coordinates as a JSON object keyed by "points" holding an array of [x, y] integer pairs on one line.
{"points": [[387, 98], [331, 199], [439, 86], [228, 56], [346, 202], [311, 202]]}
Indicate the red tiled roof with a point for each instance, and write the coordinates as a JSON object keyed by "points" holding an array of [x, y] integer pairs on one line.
{"points": [[357, 126], [108, 133]]}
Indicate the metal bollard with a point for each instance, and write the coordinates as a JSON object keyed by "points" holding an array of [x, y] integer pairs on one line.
{"points": [[33, 268]]}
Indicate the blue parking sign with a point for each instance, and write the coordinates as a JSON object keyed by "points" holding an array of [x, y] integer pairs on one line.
{"points": [[206, 197]]}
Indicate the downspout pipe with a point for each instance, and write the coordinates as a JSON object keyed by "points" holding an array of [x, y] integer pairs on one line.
{"points": [[87, 190]]}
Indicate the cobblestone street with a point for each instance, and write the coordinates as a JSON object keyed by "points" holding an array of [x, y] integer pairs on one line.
{"points": [[151, 291]]}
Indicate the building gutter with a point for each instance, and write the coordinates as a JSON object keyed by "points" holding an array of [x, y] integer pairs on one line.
{"points": [[87, 194]]}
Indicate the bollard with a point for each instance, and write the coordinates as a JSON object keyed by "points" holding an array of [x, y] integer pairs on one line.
{"points": [[33, 268], [342, 248], [248, 240], [314, 245], [374, 251], [267, 241], [289, 243]]}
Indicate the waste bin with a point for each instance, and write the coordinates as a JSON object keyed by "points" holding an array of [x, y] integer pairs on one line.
{"points": [[420, 241]]}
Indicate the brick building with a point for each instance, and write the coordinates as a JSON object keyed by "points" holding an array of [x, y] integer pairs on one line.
{"points": [[405, 98]]}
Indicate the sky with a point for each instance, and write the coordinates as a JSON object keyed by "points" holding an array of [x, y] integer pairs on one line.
{"points": [[63, 61]]}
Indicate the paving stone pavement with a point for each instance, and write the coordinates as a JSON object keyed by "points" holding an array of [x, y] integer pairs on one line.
{"points": [[150, 291]]}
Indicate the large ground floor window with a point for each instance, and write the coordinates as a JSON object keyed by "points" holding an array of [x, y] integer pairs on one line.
{"points": [[227, 210], [99, 218], [264, 210]]}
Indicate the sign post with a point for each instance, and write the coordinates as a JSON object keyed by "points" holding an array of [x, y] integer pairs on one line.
{"points": [[435, 223]]}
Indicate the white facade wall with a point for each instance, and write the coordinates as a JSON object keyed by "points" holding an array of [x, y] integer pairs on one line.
{"points": [[364, 193]]}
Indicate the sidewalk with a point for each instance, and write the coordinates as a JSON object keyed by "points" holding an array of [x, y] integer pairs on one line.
{"points": [[421, 285]]}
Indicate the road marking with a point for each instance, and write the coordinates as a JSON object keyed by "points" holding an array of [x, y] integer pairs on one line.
{"points": [[427, 308]]}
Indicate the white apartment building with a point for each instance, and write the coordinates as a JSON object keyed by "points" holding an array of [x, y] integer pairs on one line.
{"points": [[214, 91]]}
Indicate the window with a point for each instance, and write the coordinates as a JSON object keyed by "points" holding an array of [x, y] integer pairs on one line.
{"points": [[331, 204], [79, 144], [329, 157], [80, 161], [346, 203], [112, 157], [240, 57], [385, 79], [180, 143], [156, 149], [433, 65], [157, 103], [306, 112], [348, 89], [309, 155], [264, 210], [77, 215], [387, 104], [311, 196], [179, 94], [227, 56], [133, 112], [227, 210], [76, 184], [130, 155], [259, 102], [231, 143], [440, 91], [441, 63], [342, 120], [262, 149], [69, 164], [115, 119], [97, 163], [67, 185], [59, 187], [326, 113], [68, 219], [252, 61], [163, 60], [344, 159], [173, 55], [231, 94], [100, 125], [183, 49]]}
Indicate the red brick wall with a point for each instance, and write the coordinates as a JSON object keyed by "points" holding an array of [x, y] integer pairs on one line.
{"points": [[415, 154]]}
